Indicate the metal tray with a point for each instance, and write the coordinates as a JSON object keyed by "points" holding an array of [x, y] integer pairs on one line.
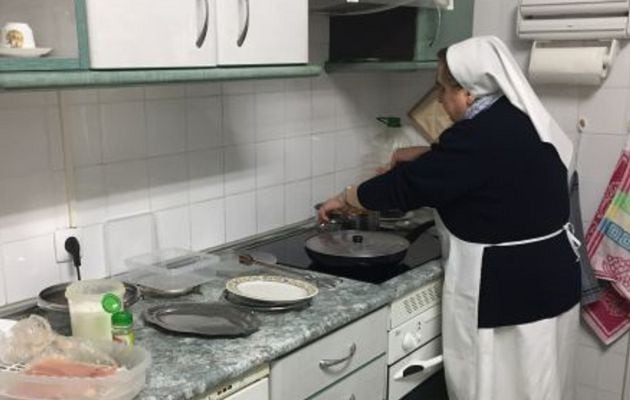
{"points": [[264, 306], [204, 319]]}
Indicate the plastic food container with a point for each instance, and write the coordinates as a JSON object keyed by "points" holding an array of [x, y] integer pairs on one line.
{"points": [[170, 271], [124, 385], [88, 318]]}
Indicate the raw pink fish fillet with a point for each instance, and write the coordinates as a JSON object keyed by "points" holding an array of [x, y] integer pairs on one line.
{"points": [[58, 366]]}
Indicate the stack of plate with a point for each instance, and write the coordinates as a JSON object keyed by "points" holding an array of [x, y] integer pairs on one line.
{"points": [[270, 292]]}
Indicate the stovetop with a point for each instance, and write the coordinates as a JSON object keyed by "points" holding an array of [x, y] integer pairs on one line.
{"points": [[290, 251]]}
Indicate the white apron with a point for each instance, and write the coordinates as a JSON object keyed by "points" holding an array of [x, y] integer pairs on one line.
{"points": [[520, 362]]}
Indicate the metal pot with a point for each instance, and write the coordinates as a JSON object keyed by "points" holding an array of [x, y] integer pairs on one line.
{"points": [[356, 249], [363, 220]]}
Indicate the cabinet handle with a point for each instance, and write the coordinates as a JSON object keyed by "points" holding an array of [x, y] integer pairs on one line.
{"points": [[327, 363], [204, 29], [438, 26], [243, 34]]}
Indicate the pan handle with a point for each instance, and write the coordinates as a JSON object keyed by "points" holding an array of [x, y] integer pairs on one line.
{"points": [[327, 363]]}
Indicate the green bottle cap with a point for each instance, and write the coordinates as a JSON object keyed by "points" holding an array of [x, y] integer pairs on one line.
{"points": [[122, 318], [391, 122], [111, 303]]}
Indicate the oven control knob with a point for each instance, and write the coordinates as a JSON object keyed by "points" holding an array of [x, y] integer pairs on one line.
{"points": [[410, 341]]}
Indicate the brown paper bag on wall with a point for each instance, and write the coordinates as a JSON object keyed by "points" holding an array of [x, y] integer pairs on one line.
{"points": [[428, 116]]}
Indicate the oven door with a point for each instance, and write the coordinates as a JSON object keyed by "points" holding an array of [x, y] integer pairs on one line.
{"points": [[413, 371]]}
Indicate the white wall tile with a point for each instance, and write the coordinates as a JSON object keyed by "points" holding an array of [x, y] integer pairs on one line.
{"points": [[93, 264], [346, 150], [24, 146], [207, 224], [270, 116], [3, 281], [323, 153], [240, 216], [91, 200], [127, 187], [297, 153], [238, 119], [27, 99], [269, 163], [298, 112], [29, 267], [79, 96], [240, 168], [238, 87], [164, 92], [298, 84], [323, 111], [270, 208], [173, 228], [604, 110], [206, 174], [619, 74], [124, 131], [202, 89], [32, 206], [168, 181], [298, 201], [83, 125], [269, 85], [166, 126], [323, 188], [204, 123], [55, 140], [120, 94], [348, 177], [128, 237]]}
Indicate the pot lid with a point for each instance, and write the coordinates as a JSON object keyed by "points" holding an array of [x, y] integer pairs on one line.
{"points": [[357, 244]]}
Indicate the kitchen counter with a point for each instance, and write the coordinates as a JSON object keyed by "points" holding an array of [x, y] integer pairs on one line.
{"points": [[184, 367]]}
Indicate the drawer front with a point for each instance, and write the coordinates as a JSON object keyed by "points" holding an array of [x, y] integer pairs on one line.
{"points": [[255, 391], [368, 383], [301, 374], [399, 386], [151, 33]]}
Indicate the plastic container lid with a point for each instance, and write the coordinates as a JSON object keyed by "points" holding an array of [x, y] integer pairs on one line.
{"points": [[111, 303], [122, 318]]}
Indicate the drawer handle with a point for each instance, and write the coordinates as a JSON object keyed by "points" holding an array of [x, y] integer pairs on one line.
{"points": [[415, 367], [327, 363], [204, 29], [243, 34]]}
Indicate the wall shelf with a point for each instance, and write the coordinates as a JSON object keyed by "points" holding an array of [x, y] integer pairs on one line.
{"points": [[374, 66], [61, 79]]}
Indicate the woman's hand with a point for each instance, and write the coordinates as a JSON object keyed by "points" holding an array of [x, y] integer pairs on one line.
{"points": [[332, 204]]}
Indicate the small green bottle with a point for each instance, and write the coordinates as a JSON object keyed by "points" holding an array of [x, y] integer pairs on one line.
{"points": [[122, 327]]}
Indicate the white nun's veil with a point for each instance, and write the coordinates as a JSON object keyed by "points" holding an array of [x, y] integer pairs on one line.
{"points": [[484, 65]]}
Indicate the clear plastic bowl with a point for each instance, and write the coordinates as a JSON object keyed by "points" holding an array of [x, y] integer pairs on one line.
{"points": [[124, 385]]}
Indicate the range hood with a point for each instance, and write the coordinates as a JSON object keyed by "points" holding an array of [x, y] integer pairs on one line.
{"points": [[355, 7]]}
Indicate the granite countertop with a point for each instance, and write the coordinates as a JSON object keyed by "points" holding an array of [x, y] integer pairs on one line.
{"points": [[185, 367]]}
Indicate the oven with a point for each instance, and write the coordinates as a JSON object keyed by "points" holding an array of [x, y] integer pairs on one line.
{"points": [[414, 348]]}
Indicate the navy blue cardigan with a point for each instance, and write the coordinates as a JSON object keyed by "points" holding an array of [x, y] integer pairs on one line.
{"points": [[493, 180]]}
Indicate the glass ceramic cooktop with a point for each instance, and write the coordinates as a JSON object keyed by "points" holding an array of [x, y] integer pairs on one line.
{"points": [[290, 251]]}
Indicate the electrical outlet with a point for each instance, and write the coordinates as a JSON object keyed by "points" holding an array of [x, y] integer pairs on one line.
{"points": [[61, 255]]}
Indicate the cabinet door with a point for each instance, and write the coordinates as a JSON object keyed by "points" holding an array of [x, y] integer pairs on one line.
{"points": [[262, 31], [368, 383], [256, 391], [440, 28], [151, 33]]}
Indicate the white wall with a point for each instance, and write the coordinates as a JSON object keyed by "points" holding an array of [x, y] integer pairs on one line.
{"points": [[207, 162], [600, 371]]}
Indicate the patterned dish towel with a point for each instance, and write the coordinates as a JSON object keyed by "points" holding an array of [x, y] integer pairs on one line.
{"points": [[608, 248]]}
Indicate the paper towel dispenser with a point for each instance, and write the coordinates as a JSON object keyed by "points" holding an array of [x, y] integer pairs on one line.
{"points": [[573, 20]]}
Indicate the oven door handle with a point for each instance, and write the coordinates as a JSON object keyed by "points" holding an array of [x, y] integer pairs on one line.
{"points": [[415, 367]]}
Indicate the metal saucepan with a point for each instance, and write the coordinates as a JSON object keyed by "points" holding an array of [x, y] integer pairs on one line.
{"points": [[356, 249]]}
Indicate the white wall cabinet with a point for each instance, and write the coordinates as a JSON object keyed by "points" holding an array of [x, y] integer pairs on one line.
{"points": [[262, 32], [151, 33], [333, 359], [256, 391]]}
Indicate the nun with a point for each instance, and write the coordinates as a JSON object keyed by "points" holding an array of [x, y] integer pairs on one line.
{"points": [[498, 180]]}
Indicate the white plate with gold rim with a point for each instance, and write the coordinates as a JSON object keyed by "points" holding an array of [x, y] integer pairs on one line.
{"points": [[271, 288]]}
